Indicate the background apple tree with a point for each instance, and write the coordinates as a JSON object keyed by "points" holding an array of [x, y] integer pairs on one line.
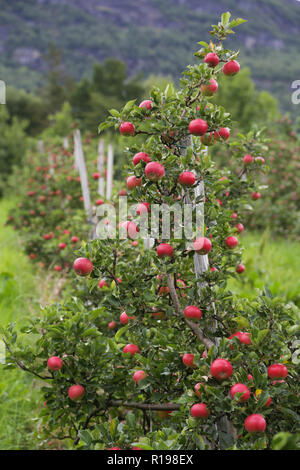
{"points": [[197, 372]]}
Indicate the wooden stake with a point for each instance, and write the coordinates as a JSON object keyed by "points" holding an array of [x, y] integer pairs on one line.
{"points": [[79, 159], [40, 146], [110, 170], [65, 143], [101, 167]]}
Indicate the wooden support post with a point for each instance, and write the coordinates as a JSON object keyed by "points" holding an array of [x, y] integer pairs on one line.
{"points": [[110, 170], [40, 146], [65, 143], [101, 188], [79, 159]]}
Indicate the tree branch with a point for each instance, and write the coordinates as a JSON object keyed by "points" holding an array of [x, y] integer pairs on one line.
{"points": [[195, 328]]}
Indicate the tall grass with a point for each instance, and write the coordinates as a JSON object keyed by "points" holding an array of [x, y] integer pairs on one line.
{"points": [[19, 396], [271, 263]]}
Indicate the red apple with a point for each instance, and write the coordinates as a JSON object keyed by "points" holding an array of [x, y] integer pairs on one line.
{"points": [[164, 250], [112, 325], [248, 159], [54, 363], [240, 227], [277, 371], [74, 239], [83, 266], [221, 369], [231, 242], [127, 128], [140, 156], [131, 349], [62, 246], [191, 311], [187, 178], [255, 196], [96, 176], [188, 360], [76, 392], [231, 68], [124, 318], [139, 375], [102, 283], [200, 410], [255, 423], [146, 104], [133, 182], [240, 268], [224, 133], [99, 202], [209, 89], [57, 268], [197, 387], [142, 208], [244, 338], [240, 388], [202, 245], [154, 171], [198, 127], [211, 59]]}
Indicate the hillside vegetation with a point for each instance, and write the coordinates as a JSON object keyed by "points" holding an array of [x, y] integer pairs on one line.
{"points": [[149, 35]]}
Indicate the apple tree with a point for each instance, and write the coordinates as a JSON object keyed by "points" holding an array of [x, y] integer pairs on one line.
{"points": [[153, 351]]}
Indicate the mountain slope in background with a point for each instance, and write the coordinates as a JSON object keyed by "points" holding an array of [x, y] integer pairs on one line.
{"points": [[151, 36]]}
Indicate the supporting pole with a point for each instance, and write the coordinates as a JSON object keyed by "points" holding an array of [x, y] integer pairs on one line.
{"points": [[79, 159], [65, 143], [110, 169], [101, 188]]}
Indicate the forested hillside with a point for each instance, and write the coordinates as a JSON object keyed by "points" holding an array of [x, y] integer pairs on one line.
{"points": [[149, 35]]}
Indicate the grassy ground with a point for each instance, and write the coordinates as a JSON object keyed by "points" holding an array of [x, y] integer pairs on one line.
{"points": [[18, 395], [269, 262]]}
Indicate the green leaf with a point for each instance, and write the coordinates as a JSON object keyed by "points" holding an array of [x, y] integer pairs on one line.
{"points": [[225, 18], [86, 437]]}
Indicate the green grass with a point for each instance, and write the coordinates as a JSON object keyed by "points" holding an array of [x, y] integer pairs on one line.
{"points": [[269, 262], [19, 395]]}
